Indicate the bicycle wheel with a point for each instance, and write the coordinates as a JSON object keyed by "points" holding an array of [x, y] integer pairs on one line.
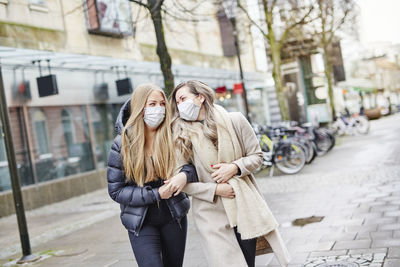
{"points": [[362, 125], [289, 157], [323, 141], [311, 152]]}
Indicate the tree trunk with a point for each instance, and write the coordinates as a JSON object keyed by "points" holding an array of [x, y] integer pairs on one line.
{"points": [[277, 76], [162, 50], [328, 74]]}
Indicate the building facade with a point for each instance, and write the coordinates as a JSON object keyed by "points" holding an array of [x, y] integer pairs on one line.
{"points": [[87, 46]]}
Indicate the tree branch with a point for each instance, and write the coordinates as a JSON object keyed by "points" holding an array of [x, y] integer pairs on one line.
{"points": [[251, 20], [139, 2], [272, 5], [293, 25], [165, 10], [341, 22]]}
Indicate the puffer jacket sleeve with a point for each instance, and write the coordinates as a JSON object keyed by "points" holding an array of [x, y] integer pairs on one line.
{"points": [[118, 189], [191, 174]]}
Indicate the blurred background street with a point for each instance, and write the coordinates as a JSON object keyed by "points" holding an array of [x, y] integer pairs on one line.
{"points": [[319, 81]]}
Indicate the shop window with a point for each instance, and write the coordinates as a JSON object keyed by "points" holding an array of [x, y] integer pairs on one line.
{"points": [[39, 121], [5, 182], [103, 126], [3, 155], [68, 127]]}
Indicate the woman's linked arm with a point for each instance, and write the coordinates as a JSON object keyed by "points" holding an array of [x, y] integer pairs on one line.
{"points": [[196, 189], [118, 189], [191, 174], [253, 154]]}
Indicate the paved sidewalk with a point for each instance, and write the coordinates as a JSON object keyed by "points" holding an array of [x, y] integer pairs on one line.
{"points": [[356, 188]]}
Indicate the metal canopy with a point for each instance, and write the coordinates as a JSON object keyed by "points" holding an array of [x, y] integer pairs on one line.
{"points": [[13, 58]]}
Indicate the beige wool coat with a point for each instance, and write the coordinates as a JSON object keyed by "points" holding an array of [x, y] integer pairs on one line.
{"points": [[218, 238]]}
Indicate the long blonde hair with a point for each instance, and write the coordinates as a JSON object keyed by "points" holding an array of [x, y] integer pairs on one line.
{"points": [[181, 127], [138, 166]]}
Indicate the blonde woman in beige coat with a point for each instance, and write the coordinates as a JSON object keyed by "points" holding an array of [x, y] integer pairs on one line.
{"points": [[225, 152]]}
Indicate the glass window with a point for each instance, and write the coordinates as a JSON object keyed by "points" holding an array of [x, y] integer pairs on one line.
{"points": [[21, 150], [5, 182], [39, 121], [68, 127], [3, 154], [68, 149], [102, 116]]}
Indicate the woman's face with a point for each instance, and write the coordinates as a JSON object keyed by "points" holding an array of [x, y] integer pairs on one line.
{"points": [[184, 94], [155, 99]]}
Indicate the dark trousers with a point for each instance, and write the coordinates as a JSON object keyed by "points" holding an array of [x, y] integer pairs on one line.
{"points": [[248, 248], [161, 241]]}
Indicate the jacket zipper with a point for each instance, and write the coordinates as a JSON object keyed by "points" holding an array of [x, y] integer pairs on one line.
{"points": [[141, 222]]}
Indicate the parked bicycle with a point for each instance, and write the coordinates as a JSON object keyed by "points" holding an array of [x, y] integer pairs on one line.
{"points": [[286, 154], [289, 146], [345, 124]]}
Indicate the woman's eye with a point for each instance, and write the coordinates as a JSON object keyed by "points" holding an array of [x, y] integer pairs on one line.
{"points": [[162, 104]]}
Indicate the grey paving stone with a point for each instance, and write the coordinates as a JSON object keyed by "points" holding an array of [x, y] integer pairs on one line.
{"points": [[379, 195], [386, 243], [316, 254], [385, 220], [391, 263], [339, 237], [394, 213], [368, 215], [345, 222], [385, 208], [396, 234], [352, 244], [394, 253], [320, 246], [362, 228], [375, 235], [391, 198], [394, 226], [363, 200], [367, 251], [363, 208], [381, 235], [123, 263], [299, 258]]}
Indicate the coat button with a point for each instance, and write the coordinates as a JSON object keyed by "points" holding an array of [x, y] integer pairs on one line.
{"points": [[227, 226]]}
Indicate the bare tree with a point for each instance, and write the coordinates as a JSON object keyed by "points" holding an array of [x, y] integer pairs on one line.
{"points": [[158, 10], [154, 8], [279, 19], [331, 17]]}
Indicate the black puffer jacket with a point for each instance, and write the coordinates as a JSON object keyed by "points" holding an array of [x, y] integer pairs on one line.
{"points": [[133, 199]]}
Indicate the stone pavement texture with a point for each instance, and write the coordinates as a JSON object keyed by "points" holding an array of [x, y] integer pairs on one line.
{"points": [[356, 188]]}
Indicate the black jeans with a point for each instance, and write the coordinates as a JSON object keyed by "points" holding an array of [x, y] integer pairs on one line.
{"points": [[248, 248], [161, 241]]}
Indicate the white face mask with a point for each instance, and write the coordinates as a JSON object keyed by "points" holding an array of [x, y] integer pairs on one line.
{"points": [[188, 110], [154, 116]]}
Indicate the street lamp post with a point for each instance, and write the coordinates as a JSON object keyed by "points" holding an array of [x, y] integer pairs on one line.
{"points": [[230, 7], [16, 187]]}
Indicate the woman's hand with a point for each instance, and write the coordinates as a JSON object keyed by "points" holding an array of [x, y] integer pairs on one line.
{"points": [[223, 172], [164, 192], [176, 183], [225, 190]]}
